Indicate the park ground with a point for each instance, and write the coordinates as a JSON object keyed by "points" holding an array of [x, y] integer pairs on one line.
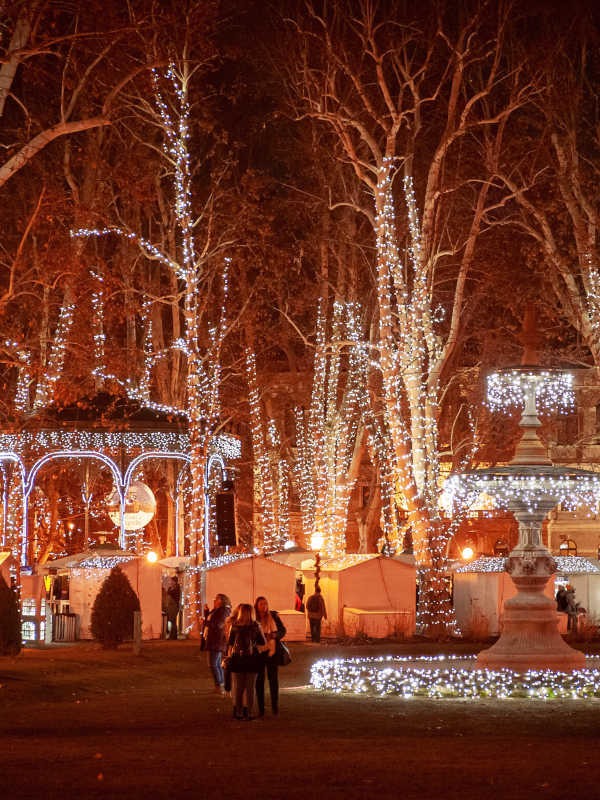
{"points": [[79, 722]]}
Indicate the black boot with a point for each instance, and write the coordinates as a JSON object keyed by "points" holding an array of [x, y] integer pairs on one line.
{"points": [[247, 716], [236, 713]]}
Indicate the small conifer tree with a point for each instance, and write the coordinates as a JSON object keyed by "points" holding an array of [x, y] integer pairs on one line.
{"points": [[112, 614], [10, 621]]}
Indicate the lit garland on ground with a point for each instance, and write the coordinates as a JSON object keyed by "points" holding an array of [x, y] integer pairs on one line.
{"points": [[392, 676]]}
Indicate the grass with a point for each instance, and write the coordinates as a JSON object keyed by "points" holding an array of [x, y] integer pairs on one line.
{"points": [[77, 721]]}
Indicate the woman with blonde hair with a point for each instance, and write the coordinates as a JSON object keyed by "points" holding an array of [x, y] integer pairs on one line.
{"points": [[273, 630], [215, 641], [244, 646]]}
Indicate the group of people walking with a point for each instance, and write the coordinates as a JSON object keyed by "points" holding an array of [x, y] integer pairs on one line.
{"points": [[244, 647]]}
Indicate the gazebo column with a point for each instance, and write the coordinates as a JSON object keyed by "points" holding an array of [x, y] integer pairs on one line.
{"points": [[25, 536], [122, 517]]}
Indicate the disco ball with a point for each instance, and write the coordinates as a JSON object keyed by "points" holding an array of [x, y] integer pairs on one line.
{"points": [[140, 506]]}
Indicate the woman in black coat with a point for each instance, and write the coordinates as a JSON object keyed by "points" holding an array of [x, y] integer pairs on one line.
{"points": [[244, 645], [215, 640], [273, 630]]}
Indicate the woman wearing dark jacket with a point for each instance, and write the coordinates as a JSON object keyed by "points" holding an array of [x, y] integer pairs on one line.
{"points": [[273, 630], [244, 645], [215, 640]]}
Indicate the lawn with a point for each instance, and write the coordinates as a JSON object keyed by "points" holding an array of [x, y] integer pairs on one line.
{"points": [[76, 721]]}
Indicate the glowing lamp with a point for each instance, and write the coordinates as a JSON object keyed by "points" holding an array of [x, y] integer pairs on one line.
{"points": [[468, 553], [289, 544], [151, 556], [316, 541]]}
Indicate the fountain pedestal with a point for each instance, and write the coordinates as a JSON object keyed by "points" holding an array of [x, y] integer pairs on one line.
{"points": [[530, 637]]}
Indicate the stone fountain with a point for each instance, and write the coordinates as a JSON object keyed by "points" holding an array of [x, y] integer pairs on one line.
{"points": [[530, 486]]}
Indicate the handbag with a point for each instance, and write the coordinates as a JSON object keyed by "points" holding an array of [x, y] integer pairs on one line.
{"points": [[282, 654]]}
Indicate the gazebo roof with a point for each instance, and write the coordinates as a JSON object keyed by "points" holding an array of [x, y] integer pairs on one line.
{"points": [[106, 423], [105, 411]]}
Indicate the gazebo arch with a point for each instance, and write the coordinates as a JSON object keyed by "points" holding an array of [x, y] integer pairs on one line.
{"points": [[128, 435]]}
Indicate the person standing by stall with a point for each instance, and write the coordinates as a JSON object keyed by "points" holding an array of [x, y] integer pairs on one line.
{"points": [[173, 604], [316, 611], [215, 640]]}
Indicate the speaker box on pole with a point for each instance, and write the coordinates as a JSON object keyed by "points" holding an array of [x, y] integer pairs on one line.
{"points": [[225, 508]]}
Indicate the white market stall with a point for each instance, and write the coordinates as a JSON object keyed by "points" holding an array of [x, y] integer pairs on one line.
{"points": [[480, 589], [84, 573], [366, 594], [244, 577], [583, 574]]}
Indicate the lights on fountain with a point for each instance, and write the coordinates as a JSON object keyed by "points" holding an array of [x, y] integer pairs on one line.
{"points": [[565, 565], [436, 677], [572, 490], [553, 389]]}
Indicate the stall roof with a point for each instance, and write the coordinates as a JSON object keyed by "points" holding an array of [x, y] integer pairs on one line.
{"points": [[92, 559]]}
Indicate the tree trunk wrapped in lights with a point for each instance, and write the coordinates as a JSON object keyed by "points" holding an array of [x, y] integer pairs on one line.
{"points": [[374, 78], [203, 339], [271, 472], [328, 435]]}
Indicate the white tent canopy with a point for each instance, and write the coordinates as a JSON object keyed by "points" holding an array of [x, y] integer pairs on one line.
{"points": [[244, 579], [366, 593], [87, 572]]}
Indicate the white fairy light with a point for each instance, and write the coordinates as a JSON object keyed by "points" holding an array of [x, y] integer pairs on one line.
{"points": [[437, 677], [45, 388], [104, 562], [326, 433], [569, 565], [531, 487], [552, 389], [409, 358]]}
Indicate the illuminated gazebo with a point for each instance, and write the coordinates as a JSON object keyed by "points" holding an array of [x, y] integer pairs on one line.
{"points": [[114, 431]]}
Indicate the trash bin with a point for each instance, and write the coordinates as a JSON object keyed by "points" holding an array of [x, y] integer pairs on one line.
{"points": [[64, 627]]}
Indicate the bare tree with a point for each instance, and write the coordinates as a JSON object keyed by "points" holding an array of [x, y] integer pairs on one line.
{"points": [[419, 100]]}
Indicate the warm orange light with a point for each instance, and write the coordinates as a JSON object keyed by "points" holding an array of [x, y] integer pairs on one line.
{"points": [[151, 556], [468, 553]]}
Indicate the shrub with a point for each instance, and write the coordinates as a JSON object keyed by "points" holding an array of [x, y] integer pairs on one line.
{"points": [[112, 614], [10, 621]]}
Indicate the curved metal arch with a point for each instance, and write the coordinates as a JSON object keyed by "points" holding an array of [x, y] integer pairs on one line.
{"points": [[29, 483], [214, 458], [146, 457], [8, 455], [93, 454], [183, 472]]}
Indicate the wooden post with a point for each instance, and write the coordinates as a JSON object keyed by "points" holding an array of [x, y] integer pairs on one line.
{"points": [[137, 633]]}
